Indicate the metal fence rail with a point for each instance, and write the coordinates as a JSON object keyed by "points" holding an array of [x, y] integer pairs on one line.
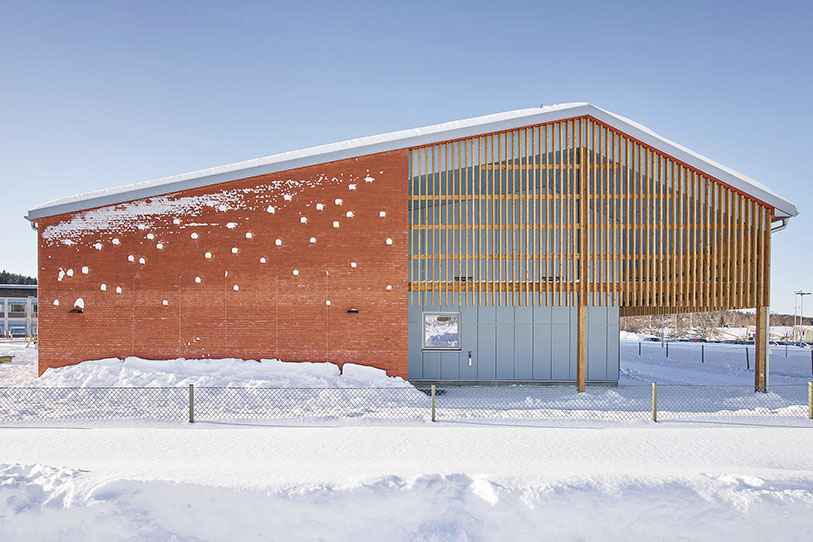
{"points": [[447, 403]]}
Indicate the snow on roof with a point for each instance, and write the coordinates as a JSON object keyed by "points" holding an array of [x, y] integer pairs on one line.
{"points": [[411, 138]]}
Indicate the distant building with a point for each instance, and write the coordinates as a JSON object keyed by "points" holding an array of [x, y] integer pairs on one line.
{"points": [[18, 310]]}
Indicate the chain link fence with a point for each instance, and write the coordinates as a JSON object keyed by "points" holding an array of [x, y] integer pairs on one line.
{"points": [[446, 403]]}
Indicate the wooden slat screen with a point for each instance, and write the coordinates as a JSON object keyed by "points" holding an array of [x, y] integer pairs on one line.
{"points": [[521, 217]]}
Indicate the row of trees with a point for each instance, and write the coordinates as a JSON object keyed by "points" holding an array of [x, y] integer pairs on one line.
{"points": [[706, 325], [15, 278]]}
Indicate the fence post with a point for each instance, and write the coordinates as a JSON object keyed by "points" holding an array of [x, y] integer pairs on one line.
{"points": [[811, 361], [433, 402], [654, 401], [191, 403], [810, 400], [667, 349], [702, 353], [747, 360], [639, 348]]}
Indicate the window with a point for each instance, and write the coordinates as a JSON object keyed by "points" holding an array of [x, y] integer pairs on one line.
{"points": [[441, 331]]}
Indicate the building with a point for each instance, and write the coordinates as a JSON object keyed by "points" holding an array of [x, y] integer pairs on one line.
{"points": [[499, 248], [18, 310]]}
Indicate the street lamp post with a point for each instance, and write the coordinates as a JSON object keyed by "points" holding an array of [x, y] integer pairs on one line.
{"points": [[801, 295]]}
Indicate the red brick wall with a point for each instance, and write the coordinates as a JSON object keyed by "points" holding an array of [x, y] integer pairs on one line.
{"points": [[274, 313]]}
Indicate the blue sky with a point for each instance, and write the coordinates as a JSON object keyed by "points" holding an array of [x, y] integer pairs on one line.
{"points": [[95, 95]]}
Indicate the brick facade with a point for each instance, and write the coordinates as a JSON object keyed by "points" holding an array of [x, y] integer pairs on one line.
{"points": [[163, 312]]}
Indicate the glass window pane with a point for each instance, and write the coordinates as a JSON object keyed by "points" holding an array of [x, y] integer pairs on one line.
{"points": [[441, 331]]}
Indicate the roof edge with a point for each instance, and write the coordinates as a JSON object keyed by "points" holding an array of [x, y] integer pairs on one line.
{"points": [[406, 139]]}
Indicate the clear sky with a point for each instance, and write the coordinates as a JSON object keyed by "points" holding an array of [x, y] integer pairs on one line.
{"points": [[99, 94]]}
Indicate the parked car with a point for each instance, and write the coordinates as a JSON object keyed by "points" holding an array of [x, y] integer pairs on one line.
{"points": [[652, 339], [17, 332]]}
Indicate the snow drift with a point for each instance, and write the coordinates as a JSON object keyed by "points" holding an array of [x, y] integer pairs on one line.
{"points": [[266, 373]]}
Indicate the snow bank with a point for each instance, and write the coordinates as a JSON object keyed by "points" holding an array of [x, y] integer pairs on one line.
{"points": [[45, 503], [629, 336], [23, 366], [267, 373]]}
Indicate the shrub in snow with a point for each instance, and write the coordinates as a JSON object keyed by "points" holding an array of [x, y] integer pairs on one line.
{"points": [[159, 246], [296, 272], [270, 209], [142, 261], [208, 255], [304, 220], [236, 288], [278, 242], [320, 206], [79, 303], [116, 241], [231, 225], [130, 258], [335, 223], [194, 235], [382, 214], [165, 302], [70, 272], [98, 246], [351, 187], [118, 289], [234, 250], [197, 280], [312, 240], [389, 241], [338, 201], [56, 302], [85, 270], [249, 235], [262, 260], [350, 214], [150, 236], [103, 287]]}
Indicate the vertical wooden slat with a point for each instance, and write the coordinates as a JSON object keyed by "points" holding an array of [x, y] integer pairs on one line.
{"points": [[696, 244], [573, 179]]}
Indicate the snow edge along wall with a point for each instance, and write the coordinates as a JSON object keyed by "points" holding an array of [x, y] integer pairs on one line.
{"points": [[261, 267]]}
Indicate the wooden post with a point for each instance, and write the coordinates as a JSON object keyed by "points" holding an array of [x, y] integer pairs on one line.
{"points": [[654, 401], [761, 349], [810, 400], [581, 347], [191, 403], [433, 402]]}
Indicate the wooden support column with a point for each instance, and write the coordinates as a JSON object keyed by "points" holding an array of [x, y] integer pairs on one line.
{"points": [[581, 328], [581, 347], [761, 343], [764, 300]]}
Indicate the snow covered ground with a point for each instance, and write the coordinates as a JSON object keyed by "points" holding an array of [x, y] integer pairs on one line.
{"points": [[458, 480]]}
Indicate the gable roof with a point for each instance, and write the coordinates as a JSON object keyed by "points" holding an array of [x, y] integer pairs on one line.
{"points": [[413, 138]]}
